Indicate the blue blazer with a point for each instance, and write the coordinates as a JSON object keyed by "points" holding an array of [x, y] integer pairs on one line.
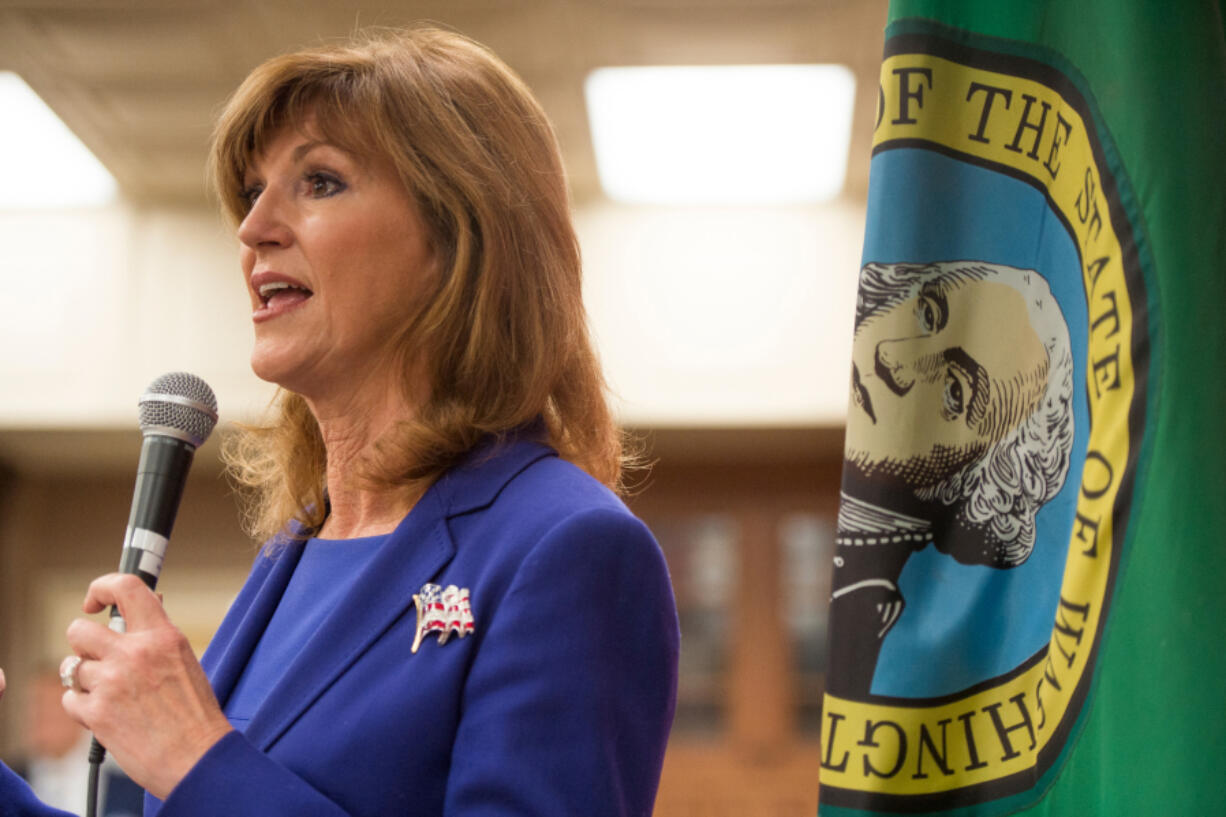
{"points": [[558, 703]]}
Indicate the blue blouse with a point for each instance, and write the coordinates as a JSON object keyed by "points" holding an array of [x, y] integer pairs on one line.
{"points": [[322, 578]]}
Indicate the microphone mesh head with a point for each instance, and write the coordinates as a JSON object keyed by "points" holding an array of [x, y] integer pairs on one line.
{"points": [[182, 402]]}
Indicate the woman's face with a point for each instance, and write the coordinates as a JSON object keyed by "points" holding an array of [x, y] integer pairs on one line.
{"points": [[335, 257]]}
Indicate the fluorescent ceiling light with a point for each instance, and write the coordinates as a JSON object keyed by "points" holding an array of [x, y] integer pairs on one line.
{"points": [[725, 134], [46, 164]]}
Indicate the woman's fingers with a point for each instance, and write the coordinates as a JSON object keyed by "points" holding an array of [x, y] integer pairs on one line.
{"points": [[89, 639], [140, 607], [141, 691], [87, 675]]}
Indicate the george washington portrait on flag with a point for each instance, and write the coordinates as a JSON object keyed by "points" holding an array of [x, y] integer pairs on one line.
{"points": [[959, 431]]}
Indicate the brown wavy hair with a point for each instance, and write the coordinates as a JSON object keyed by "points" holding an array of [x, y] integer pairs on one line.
{"points": [[502, 333]]}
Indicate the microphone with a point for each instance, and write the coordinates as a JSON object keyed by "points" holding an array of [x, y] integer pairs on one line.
{"points": [[177, 414]]}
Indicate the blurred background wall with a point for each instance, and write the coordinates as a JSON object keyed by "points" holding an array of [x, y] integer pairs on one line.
{"points": [[725, 330]]}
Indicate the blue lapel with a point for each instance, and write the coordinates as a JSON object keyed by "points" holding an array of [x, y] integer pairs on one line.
{"points": [[417, 550], [235, 640]]}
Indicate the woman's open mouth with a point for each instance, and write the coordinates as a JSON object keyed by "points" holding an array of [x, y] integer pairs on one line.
{"points": [[277, 294], [282, 294]]}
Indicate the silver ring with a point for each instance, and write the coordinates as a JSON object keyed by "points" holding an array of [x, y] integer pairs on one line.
{"points": [[68, 672]]}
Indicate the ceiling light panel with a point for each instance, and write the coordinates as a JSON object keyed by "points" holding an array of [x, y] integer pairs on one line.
{"points": [[726, 134], [47, 165]]}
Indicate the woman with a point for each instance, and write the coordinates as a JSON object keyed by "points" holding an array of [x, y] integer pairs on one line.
{"points": [[454, 614]]}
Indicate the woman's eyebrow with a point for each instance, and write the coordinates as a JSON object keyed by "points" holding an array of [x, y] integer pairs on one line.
{"points": [[307, 147]]}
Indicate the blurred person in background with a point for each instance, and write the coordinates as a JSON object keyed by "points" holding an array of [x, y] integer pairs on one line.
{"points": [[55, 746], [55, 763], [453, 611]]}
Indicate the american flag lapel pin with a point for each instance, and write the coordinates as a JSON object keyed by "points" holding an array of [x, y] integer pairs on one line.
{"points": [[442, 611]]}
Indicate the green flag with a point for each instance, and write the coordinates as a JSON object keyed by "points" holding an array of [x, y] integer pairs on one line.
{"points": [[1026, 608]]}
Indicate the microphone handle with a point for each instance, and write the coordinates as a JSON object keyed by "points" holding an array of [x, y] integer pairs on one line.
{"points": [[160, 478]]}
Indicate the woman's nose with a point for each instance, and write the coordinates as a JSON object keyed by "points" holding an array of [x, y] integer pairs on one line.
{"points": [[265, 224]]}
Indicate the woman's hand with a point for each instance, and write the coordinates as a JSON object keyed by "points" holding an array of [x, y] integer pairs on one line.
{"points": [[142, 693]]}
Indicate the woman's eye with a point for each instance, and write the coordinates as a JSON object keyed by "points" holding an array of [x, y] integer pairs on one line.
{"points": [[954, 398], [248, 195], [323, 185]]}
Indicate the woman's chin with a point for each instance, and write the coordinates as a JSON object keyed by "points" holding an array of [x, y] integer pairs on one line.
{"points": [[275, 369]]}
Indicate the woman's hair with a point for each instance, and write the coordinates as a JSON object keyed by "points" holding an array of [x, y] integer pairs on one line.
{"points": [[501, 331]]}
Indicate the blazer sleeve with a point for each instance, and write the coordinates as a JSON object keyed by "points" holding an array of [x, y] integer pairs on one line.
{"points": [[569, 701], [18, 800], [237, 779]]}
